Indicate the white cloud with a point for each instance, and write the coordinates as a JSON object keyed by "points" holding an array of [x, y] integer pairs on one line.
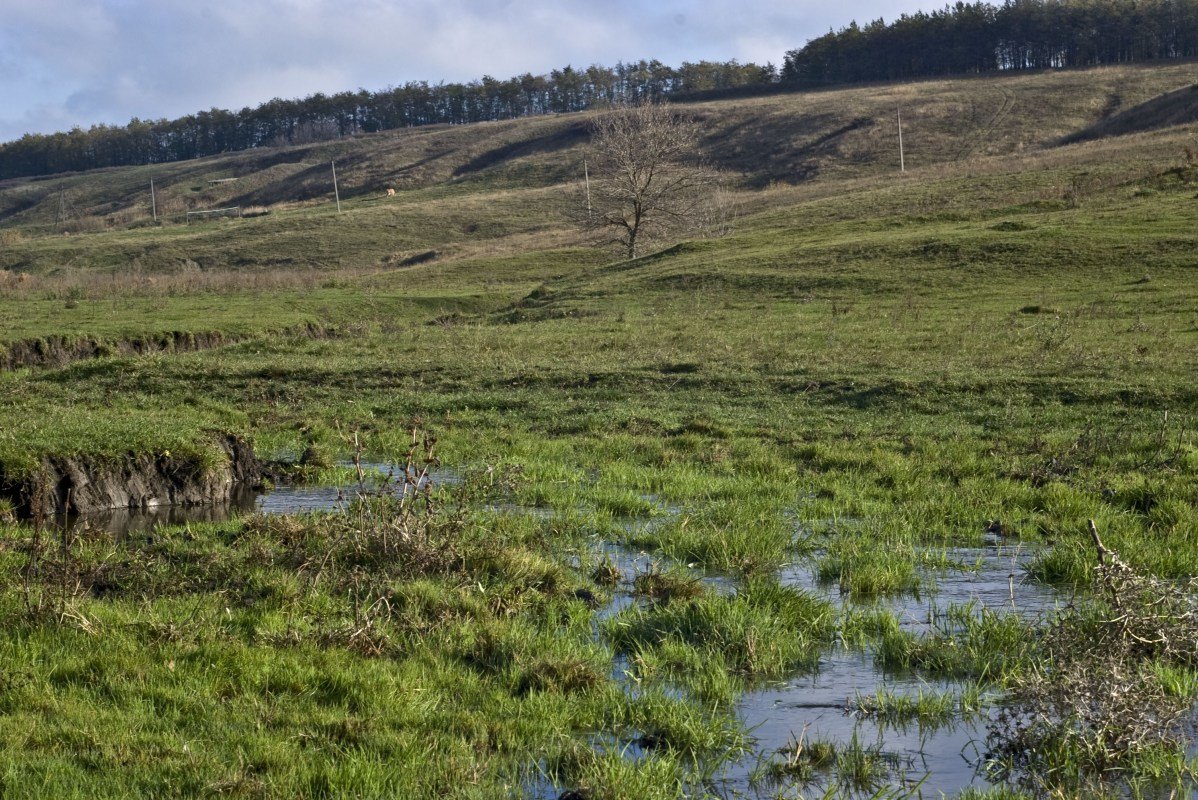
{"points": [[67, 62]]}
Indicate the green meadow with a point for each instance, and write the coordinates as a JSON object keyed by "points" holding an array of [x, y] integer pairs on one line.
{"points": [[868, 374]]}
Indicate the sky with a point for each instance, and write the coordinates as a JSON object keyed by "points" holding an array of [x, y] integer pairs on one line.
{"points": [[81, 62]]}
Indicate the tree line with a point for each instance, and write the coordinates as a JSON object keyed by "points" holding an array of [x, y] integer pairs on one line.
{"points": [[322, 117], [983, 38]]}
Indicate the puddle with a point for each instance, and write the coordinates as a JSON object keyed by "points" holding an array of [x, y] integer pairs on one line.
{"points": [[939, 760], [994, 580], [944, 758], [631, 562], [929, 760]]}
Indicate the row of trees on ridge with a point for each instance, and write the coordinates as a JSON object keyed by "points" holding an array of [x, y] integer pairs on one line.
{"points": [[979, 37], [321, 117]]}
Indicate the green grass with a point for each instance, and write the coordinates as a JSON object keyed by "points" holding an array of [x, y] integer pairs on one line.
{"points": [[849, 770], [764, 631], [968, 644], [863, 569], [928, 709], [219, 658]]}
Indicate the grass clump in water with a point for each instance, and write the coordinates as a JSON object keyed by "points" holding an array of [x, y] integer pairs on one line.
{"points": [[606, 573], [863, 569], [743, 530], [673, 583], [603, 774], [800, 762], [763, 631], [928, 709], [966, 643], [848, 770], [994, 793]]}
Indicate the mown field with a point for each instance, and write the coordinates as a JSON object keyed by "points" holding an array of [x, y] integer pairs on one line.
{"points": [[868, 375]]}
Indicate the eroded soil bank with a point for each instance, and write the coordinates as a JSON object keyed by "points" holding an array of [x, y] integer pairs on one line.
{"points": [[82, 485], [58, 351]]}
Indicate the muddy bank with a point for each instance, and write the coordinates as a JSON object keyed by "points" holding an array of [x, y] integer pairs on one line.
{"points": [[57, 351], [70, 485]]}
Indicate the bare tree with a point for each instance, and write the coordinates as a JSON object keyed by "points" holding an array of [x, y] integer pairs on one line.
{"points": [[645, 178]]}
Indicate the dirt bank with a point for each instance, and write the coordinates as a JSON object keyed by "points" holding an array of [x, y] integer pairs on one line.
{"points": [[81, 485], [57, 351]]}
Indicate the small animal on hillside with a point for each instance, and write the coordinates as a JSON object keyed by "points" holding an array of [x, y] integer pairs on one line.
{"points": [[391, 193]]}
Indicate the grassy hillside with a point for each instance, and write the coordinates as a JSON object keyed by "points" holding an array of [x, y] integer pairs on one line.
{"points": [[781, 139], [874, 379], [1179, 107]]}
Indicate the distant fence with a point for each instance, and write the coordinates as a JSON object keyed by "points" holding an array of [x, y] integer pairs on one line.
{"points": [[232, 211]]}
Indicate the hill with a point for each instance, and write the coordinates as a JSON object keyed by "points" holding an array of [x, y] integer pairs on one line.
{"points": [[496, 174]]}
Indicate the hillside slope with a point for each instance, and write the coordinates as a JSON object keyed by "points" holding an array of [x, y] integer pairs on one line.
{"points": [[1179, 107], [784, 138]]}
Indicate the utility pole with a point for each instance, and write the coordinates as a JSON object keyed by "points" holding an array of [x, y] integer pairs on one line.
{"points": [[902, 160], [153, 200], [336, 193], [587, 175]]}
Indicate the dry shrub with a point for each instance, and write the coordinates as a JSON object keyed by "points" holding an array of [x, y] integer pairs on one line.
{"points": [[169, 205], [717, 212], [1098, 713], [124, 217], [397, 529], [88, 224]]}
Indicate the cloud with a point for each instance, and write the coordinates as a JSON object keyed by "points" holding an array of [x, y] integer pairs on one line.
{"points": [[80, 62]]}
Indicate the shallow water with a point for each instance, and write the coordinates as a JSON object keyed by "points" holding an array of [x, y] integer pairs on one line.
{"points": [[945, 759], [994, 580], [935, 761]]}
